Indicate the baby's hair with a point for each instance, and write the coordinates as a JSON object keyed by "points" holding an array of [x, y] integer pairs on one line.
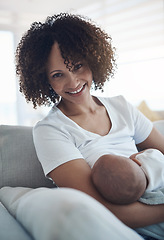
{"points": [[78, 39]]}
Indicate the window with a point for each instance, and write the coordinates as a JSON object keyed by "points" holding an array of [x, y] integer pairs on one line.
{"points": [[137, 30], [7, 83]]}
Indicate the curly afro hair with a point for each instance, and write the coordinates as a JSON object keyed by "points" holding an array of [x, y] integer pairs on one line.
{"points": [[78, 39]]}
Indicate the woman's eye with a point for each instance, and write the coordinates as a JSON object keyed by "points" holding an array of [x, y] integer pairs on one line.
{"points": [[56, 75], [78, 66]]}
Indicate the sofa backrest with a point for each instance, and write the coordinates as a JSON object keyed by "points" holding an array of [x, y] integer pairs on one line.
{"points": [[19, 165]]}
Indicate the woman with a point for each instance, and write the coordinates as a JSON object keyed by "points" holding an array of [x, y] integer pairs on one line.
{"points": [[58, 62]]}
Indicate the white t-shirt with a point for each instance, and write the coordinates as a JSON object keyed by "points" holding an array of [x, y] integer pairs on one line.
{"points": [[58, 139]]}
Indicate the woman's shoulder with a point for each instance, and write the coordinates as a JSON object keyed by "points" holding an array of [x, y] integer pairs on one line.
{"points": [[53, 118], [113, 98], [114, 101], [119, 106]]}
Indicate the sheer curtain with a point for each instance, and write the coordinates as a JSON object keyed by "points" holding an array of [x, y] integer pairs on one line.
{"points": [[137, 30]]}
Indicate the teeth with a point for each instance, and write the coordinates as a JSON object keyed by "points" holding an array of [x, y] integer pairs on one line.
{"points": [[77, 90]]}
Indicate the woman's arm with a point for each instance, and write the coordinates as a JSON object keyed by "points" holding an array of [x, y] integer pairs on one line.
{"points": [[77, 174], [154, 140]]}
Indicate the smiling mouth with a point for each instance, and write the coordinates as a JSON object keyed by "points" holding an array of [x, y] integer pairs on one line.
{"points": [[78, 91]]}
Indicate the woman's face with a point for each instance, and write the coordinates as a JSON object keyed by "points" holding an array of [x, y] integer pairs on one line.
{"points": [[72, 86]]}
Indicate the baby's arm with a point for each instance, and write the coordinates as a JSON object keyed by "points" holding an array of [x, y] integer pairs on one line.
{"points": [[152, 163], [133, 157]]}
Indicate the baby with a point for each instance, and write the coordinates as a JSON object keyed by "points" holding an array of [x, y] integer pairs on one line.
{"points": [[123, 180]]}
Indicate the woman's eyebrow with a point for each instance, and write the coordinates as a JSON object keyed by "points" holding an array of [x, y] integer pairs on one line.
{"points": [[55, 71]]}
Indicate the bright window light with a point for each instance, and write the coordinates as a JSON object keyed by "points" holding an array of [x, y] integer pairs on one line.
{"points": [[7, 83]]}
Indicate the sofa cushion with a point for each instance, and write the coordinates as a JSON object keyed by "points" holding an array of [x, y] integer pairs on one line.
{"points": [[63, 214], [10, 229], [19, 165]]}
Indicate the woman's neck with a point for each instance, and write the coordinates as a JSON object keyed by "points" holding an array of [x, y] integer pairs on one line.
{"points": [[72, 109]]}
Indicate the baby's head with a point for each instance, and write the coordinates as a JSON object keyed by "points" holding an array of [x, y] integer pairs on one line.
{"points": [[119, 179]]}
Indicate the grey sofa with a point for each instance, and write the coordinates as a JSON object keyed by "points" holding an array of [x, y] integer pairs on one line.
{"points": [[19, 166], [21, 171]]}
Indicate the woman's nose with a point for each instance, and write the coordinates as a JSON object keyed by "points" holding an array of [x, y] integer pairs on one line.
{"points": [[73, 80]]}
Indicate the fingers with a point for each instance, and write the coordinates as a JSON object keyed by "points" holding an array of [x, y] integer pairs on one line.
{"points": [[136, 161]]}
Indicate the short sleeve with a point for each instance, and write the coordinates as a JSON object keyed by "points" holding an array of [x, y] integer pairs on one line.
{"points": [[53, 147], [142, 125]]}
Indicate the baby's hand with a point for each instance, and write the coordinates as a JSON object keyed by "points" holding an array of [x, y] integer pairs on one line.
{"points": [[132, 157]]}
